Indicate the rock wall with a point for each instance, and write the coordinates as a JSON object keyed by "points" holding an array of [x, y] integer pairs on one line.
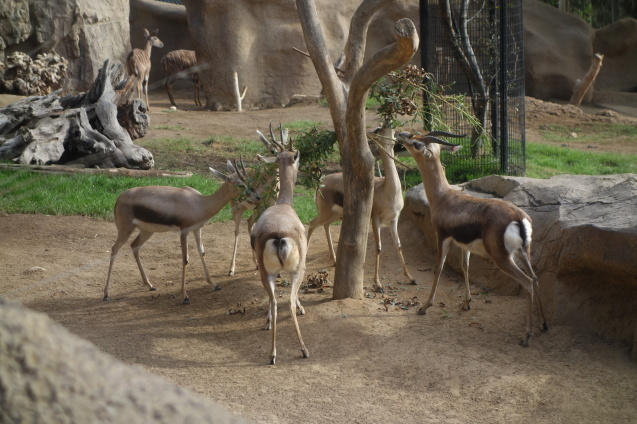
{"points": [[584, 246], [48, 375], [85, 32]]}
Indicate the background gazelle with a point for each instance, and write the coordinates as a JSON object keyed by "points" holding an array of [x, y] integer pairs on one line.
{"points": [[386, 207], [153, 209], [181, 64], [279, 241], [138, 65], [487, 227]]}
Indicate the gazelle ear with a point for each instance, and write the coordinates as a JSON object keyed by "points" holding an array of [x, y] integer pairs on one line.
{"points": [[219, 174], [297, 156], [146, 33], [266, 159]]}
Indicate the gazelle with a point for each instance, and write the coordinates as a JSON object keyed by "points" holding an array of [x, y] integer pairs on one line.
{"points": [[153, 209], [279, 241], [487, 227], [138, 65], [386, 207], [181, 64]]}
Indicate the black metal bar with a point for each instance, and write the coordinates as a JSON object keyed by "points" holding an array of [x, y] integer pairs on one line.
{"points": [[504, 82]]}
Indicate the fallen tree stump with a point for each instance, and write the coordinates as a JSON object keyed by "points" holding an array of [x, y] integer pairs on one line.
{"points": [[87, 130]]}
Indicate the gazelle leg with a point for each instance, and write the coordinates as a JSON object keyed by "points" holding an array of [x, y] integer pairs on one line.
{"points": [[136, 245], [466, 305], [509, 267], [184, 260], [121, 239], [270, 323], [524, 256], [237, 213], [297, 278], [376, 231], [394, 233], [250, 225], [202, 253], [443, 249], [145, 86], [330, 245]]}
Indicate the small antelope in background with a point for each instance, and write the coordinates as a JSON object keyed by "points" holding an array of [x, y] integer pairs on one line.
{"points": [[386, 206], [279, 241], [491, 228], [138, 65], [153, 209], [181, 65]]}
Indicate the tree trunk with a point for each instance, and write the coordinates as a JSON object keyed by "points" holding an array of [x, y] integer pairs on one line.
{"points": [[346, 100]]}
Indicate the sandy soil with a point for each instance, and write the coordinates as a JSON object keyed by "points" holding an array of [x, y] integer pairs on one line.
{"points": [[371, 361]]}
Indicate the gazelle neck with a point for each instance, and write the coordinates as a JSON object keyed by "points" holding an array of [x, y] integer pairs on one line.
{"points": [[434, 178], [287, 176], [148, 47], [217, 200], [389, 166]]}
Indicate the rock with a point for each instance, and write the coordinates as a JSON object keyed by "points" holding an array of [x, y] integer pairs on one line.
{"points": [[584, 246], [49, 375]]}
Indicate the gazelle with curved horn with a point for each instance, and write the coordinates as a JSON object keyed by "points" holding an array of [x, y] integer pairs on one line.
{"points": [[279, 241], [386, 207], [153, 209], [487, 227]]}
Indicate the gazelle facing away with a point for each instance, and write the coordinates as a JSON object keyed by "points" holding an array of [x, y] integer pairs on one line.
{"points": [[138, 65], [279, 241], [181, 64], [386, 207], [487, 227], [153, 209]]}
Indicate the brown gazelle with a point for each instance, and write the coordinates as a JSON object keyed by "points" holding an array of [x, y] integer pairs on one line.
{"points": [[153, 209], [487, 227], [279, 241], [388, 202], [181, 64], [138, 65]]}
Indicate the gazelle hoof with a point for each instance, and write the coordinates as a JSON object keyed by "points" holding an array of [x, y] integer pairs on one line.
{"points": [[186, 301], [422, 311], [525, 341], [153, 289], [230, 273], [306, 353], [106, 298], [380, 290], [273, 360], [217, 288], [414, 282], [545, 327]]}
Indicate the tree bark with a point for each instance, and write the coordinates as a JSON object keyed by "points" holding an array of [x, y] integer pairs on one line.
{"points": [[346, 100], [582, 85]]}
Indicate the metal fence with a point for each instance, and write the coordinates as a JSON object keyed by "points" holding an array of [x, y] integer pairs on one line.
{"points": [[474, 48]]}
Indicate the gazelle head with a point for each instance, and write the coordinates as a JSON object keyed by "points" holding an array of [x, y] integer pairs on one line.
{"points": [[238, 177], [152, 37], [278, 149], [428, 145]]}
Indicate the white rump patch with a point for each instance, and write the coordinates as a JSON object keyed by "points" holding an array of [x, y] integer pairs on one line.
{"points": [[289, 256], [512, 238]]}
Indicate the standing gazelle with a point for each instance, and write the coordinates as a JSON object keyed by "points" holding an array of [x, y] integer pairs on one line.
{"points": [[487, 227], [386, 207], [153, 209], [138, 65], [279, 241], [181, 64]]}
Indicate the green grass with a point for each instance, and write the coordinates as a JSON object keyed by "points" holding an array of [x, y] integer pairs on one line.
{"points": [[545, 161], [94, 195]]}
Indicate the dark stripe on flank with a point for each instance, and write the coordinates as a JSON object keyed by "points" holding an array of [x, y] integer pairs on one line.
{"points": [[337, 198], [465, 233], [153, 216]]}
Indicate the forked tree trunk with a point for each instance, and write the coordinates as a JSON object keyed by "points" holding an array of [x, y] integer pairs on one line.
{"points": [[346, 99]]}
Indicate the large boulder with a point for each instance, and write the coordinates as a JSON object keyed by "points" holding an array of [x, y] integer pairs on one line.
{"points": [[48, 375], [584, 246], [558, 49]]}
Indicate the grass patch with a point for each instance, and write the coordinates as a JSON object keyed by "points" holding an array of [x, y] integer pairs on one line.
{"points": [[545, 161], [589, 133]]}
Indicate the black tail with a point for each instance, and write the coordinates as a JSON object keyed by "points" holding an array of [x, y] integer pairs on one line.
{"points": [[281, 250]]}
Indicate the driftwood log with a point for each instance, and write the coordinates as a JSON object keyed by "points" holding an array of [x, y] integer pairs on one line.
{"points": [[86, 130]]}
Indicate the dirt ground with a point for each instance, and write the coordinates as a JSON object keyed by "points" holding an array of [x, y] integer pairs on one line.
{"points": [[371, 361]]}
